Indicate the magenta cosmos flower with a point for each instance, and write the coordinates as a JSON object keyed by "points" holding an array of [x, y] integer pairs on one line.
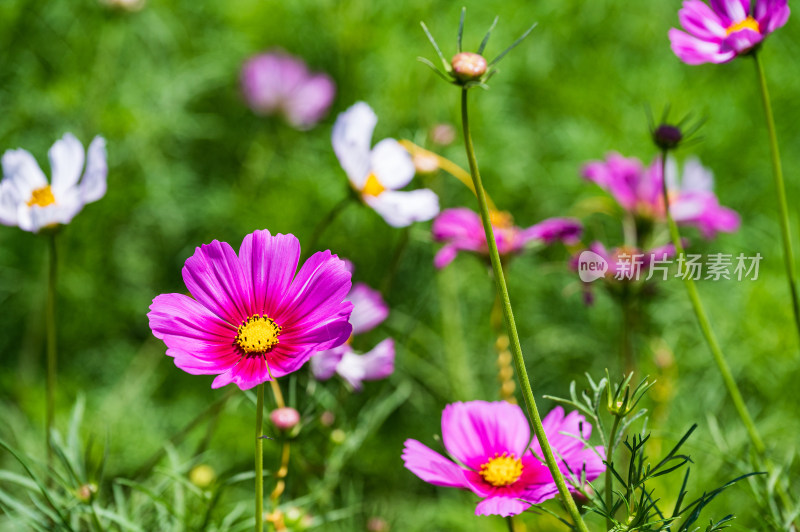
{"points": [[638, 190], [249, 317], [497, 461], [278, 83], [728, 28], [461, 229], [369, 310]]}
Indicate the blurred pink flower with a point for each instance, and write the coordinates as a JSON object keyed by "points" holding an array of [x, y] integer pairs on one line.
{"points": [[727, 28], [369, 310], [638, 190], [461, 229], [285, 418], [29, 202], [379, 173], [250, 315], [276, 82], [496, 460]]}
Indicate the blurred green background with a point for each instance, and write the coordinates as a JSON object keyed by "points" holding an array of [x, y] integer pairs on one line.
{"points": [[189, 162]]}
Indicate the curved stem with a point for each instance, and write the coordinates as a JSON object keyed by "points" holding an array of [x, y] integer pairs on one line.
{"points": [[516, 348], [325, 222], [705, 325], [260, 459], [52, 355], [609, 494], [783, 209]]}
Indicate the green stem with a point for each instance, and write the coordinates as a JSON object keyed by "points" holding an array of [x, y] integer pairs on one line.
{"points": [[516, 348], [510, 523], [52, 355], [260, 459], [628, 357], [705, 325], [325, 222], [609, 494], [783, 208]]}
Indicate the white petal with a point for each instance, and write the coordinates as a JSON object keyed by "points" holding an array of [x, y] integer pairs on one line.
{"points": [[23, 170], [696, 177], [66, 162], [8, 203], [93, 184], [392, 164], [56, 214], [400, 209], [352, 134]]}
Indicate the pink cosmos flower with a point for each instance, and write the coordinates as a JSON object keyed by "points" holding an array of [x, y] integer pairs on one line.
{"points": [[276, 82], [250, 317], [496, 458], [728, 28], [638, 190], [369, 310], [462, 230], [379, 173], [28, 201]]}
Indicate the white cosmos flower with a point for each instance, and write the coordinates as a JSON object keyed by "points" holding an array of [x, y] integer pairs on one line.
{"points": [[378, 173], [28, 201]]}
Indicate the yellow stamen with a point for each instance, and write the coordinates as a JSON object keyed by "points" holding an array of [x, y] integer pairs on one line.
{"points": [[501, 470], [747, 24], [501, 219], [372, 187], [258, 335], [42, 197]]}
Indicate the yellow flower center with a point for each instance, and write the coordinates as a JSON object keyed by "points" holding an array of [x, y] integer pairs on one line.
{"points": [[747, 24], [372, 187], [257, 335], [501, 470], [42, 197]]}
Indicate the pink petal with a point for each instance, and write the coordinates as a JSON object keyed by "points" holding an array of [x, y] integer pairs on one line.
{"points": [[432, 467], [250, 372], [504, 506], [476, 430], [316, 293], [771, 14], [694, 51], [741, 41], [567, 230], [699, 20], [323, 363], [457, 223], [200, 342], [214, 277], [268, 264], [445, 256], [369, 308], [733, 10], [310, 102]]}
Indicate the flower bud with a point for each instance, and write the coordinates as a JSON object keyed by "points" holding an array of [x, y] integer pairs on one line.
{"points": [[377, 524], [86, 492], [468, 66], [285, 418], [667, 137], [202, 475], [327, 418], [443, 134], [338, 436]]}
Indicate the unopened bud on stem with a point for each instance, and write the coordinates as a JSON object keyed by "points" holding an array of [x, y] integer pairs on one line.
{"points": [[468, 66]]}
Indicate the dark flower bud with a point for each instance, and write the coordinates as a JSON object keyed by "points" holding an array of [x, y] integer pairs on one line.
{"points": [[667, 137]]}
